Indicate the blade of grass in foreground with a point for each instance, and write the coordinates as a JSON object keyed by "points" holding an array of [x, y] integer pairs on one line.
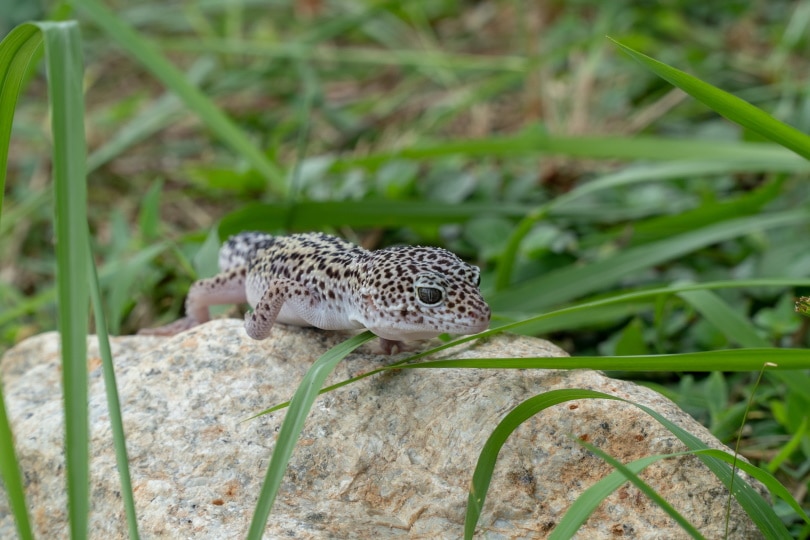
{"points": [[643, 487], [592, 497], [753, 504], [10, 474], [728, 105], [65, 77], [18, 50], [732, 360], [300, 406], [113, 402]]}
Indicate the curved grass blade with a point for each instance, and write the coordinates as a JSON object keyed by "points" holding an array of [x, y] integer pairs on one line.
{"points": [[584, 505], [592, 497], [489, 453], [538, 142], [728, 105], [18, 51], [757, 508], [645, 488], [753, 504], [300, 406]]}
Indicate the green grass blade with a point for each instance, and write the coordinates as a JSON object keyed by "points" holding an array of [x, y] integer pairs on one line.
{"points": [[353, 55], [537, 142], [18, 51], [730, 360], [482, 476], [789, 447], [146, 53], [113, 402], [591, 498], [728, 105], [753, 504], [11, 475], [645, 488], [768, 480], [300, 406], [65, 77], [576, 281]]}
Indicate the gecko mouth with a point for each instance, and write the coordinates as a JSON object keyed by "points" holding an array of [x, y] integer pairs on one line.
{"points": [[427, 330]]}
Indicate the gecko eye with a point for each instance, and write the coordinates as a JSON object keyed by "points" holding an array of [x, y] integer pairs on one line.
{"points": [[430, 295], [429, 288]]}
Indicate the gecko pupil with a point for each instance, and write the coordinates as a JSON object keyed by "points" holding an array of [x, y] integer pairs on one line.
{"points": [[429, 295]]}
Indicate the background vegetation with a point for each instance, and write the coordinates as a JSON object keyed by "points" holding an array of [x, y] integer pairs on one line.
{"points": [[478, 126]]}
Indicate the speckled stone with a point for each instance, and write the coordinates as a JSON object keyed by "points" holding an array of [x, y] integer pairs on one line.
{"points": [[388, 457]]}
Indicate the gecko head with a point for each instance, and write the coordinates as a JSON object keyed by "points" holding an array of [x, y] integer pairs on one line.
{"points": [[420, 292]]}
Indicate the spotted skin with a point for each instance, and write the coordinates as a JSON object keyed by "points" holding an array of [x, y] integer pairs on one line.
{"points": [[399, 293]]}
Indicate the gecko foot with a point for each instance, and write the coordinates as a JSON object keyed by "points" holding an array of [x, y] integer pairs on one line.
{"points": [[388, 346]]}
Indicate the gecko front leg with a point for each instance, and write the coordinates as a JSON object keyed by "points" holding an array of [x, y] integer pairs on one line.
{"points": [[299, 300]]}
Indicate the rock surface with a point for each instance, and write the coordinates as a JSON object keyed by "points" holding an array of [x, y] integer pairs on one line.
{"points": [[390, 456]]}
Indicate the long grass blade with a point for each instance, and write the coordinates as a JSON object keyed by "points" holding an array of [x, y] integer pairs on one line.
{"points": [[300, 406], [537, 142], [731, 360], [592, 497], [63, 56], [753, 504], [728, 105], [113, 402], [644, 488], [18, 51]]}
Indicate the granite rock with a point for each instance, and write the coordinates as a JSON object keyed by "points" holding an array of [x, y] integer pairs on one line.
{"points": [[390, 456]]}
